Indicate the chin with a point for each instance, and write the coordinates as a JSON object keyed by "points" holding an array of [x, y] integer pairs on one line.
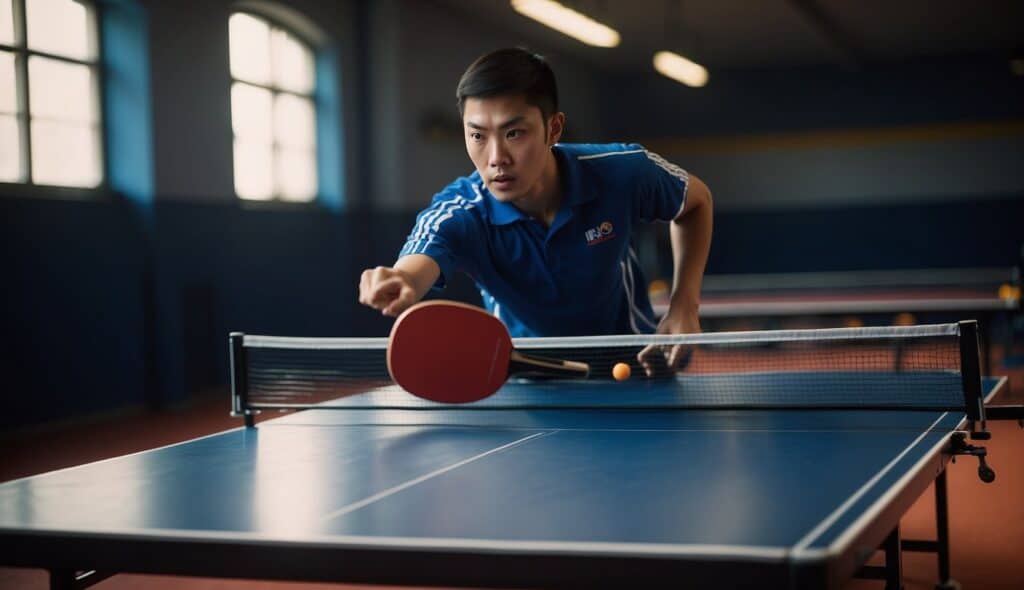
{"points": [[505, 196]]}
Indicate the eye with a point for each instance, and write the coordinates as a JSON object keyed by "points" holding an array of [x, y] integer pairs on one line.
{"points": [[476, 136], [514, 133]]}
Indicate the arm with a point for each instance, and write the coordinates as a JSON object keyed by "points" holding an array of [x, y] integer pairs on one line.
{"points": [[690, 234], [392, 290], [432, 248], [691, 241]]}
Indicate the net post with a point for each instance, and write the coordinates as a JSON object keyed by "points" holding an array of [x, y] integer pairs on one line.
{"points": [[970, 372], [239, 378]]}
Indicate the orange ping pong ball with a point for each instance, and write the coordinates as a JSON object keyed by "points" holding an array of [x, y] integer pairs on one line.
{"points": [[621, 371]]}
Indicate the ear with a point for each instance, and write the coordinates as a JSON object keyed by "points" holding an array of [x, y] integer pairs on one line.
{"points": [[555, 127]]}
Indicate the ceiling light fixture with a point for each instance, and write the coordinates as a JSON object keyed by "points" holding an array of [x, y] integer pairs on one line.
{"points": [[568, 22], [680, 69]]}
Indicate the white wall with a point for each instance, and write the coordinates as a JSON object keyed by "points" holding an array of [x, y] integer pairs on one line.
{"points": [[400, 62], [420, 51], [191, 85]]}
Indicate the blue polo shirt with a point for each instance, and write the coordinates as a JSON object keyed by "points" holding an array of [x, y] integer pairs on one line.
{"points": [[580, 276]]}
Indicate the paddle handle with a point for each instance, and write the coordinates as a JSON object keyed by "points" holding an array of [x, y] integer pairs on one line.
{"points": [[520, 363]]}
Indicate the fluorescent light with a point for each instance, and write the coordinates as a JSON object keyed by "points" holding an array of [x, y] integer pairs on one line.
{"points": [[680, 69], [568, 22]]}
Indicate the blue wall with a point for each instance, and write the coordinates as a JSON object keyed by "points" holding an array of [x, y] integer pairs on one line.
{"points": [[980, 232], [101, 312], [74, 313], [738, 101], [889, 134]]}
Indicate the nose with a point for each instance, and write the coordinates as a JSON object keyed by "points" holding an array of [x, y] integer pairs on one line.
{"points": [[497, 154]]}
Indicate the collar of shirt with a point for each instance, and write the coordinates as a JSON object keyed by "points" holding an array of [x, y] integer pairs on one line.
{"points": [[576, 190]]}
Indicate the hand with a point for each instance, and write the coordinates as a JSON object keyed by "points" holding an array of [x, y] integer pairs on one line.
{"points": [[388, 290], [678, 320]]}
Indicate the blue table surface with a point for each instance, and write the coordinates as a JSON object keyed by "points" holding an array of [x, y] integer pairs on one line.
{"points": [[762, 483]]}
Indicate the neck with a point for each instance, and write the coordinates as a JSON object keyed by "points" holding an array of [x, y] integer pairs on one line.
{"points": [[542, 203]]}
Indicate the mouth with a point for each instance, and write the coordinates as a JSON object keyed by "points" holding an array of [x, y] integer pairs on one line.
{"points": [[503, 181]]}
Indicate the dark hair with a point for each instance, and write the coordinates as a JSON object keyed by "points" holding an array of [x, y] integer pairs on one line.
{"points": [[510, 71]]}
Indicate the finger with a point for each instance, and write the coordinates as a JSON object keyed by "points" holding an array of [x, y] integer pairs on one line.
{"points": [[406, 297], [369, 284], [364, 287], [381, 273], [384, 292], [644, 358], [675, 355]]}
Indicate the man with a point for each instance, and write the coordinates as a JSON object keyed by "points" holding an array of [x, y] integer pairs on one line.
{"points": [[544, 229]]}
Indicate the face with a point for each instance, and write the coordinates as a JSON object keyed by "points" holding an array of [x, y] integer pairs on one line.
{"points": [[508, 143]]}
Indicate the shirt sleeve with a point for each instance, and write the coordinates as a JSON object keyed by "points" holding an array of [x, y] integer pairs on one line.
{"points": [[662, 189], [440, 232]]}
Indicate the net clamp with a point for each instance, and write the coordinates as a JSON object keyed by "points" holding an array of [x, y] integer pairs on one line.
{"points": [[959, 446]]}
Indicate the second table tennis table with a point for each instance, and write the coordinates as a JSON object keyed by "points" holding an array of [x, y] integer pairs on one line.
{"points": [[990, 295]]}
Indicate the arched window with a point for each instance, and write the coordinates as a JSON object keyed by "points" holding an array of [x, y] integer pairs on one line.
{"points": [[273, 113], [50, 124]]}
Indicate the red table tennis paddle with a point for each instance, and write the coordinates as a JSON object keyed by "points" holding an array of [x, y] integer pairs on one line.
{"points": [[451, 352]]}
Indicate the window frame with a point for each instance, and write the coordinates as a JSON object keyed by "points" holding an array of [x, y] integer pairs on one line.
{"points": [[22, 53], [276, 201]]}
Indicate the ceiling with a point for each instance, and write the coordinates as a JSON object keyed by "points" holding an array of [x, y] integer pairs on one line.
{"points": [[776, 33]]}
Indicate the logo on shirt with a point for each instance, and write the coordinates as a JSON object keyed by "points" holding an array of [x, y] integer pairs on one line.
{"points": [[599, 234]]}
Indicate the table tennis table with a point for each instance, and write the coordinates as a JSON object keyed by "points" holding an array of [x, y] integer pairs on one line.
{"points": [[773, 300], [527, 493], [861, 292]]}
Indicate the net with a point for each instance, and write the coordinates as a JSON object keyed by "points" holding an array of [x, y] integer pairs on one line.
{"points": [[915, 367]]}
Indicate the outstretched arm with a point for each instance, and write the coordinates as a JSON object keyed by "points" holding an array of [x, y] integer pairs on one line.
{"points": [[392, 290]]}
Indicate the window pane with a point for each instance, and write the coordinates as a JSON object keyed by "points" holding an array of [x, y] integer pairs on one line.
{"points": [[251, 113], [294, 122], [293, 63], [8, 93], [10, 150], [65, 154], [6, 23], [253, 170], [250, 48], [59, 90], [296, 175], [62, 27]]}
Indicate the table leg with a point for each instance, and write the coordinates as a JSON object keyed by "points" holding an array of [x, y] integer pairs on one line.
{"points": [[893, 561], [942, 534]]}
